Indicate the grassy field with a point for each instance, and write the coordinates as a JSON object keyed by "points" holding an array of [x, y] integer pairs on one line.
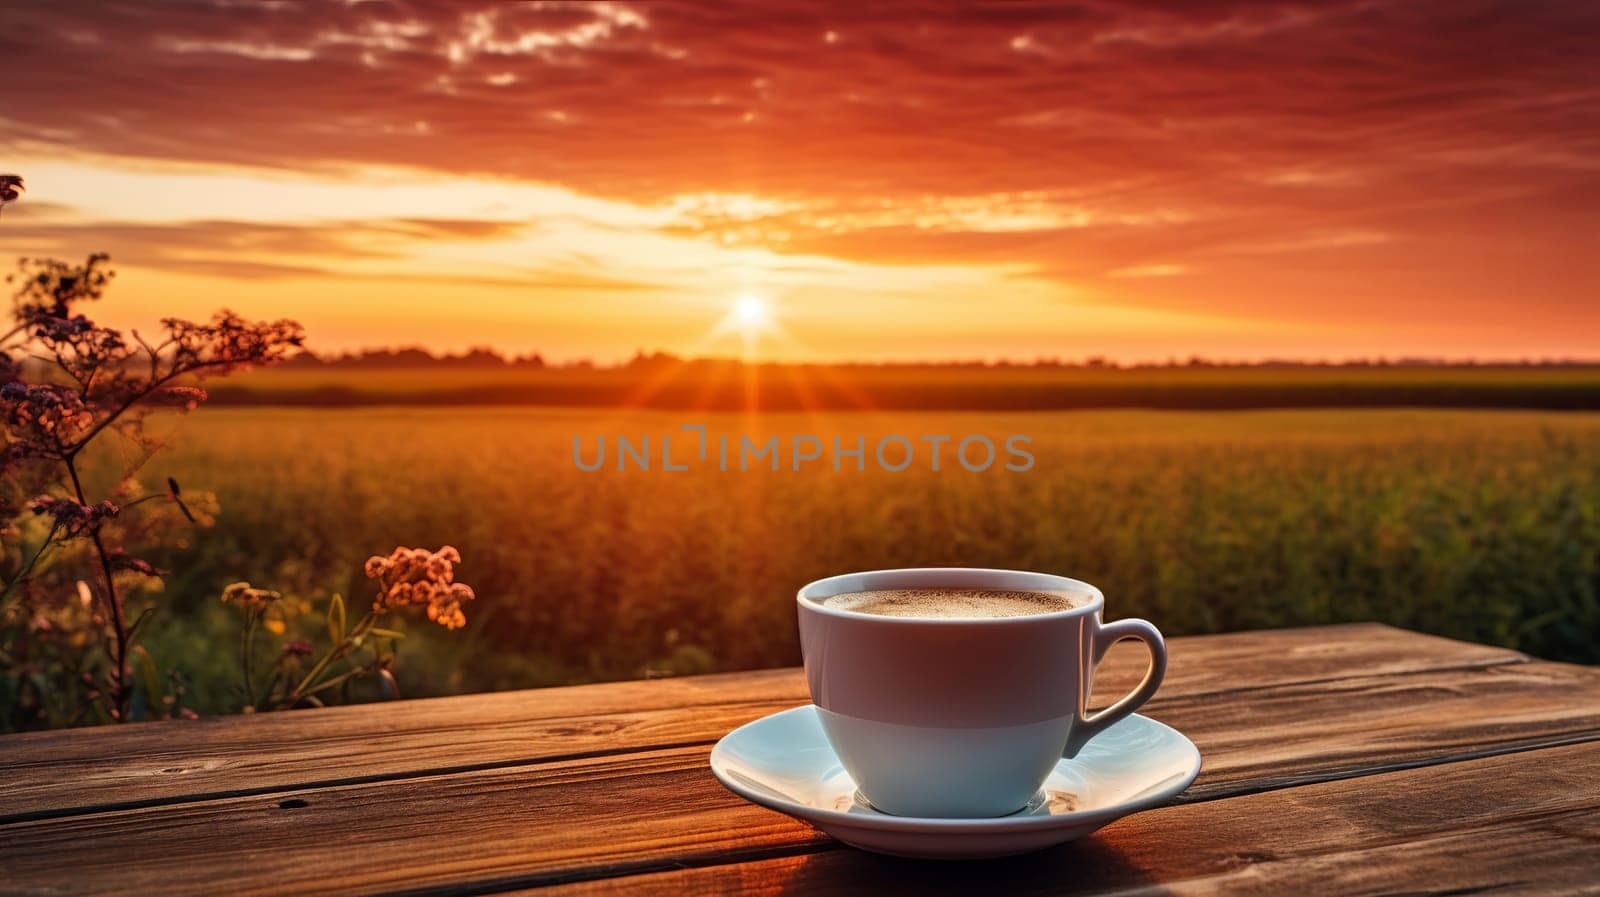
{"points": [[1475, 524]]}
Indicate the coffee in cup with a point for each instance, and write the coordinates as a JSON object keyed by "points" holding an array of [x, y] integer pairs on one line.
{"points": [[954, 603]]}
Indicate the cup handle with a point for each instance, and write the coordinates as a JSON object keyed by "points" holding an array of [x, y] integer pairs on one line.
{"points": [[1103, 636]]}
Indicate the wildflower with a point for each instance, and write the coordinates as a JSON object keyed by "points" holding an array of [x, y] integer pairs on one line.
{"points": [[72, 517], [248, 597], [297, 648], [64, 510], [67, 328], [45, 416], [121, 560], [98, 383], [416, 576], [186, 397], [229, 341], [444, 607]]}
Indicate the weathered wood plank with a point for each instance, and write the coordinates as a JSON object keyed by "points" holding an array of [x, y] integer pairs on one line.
{"points": [[602, 816], [1282, 736], [1525, 823], [58, 773]]}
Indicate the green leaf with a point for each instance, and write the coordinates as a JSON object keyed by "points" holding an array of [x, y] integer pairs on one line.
{"points": [[144, 615], [150, 680], [386, 633], [336, 618]]}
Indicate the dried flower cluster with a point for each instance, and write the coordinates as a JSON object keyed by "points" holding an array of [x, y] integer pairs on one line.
{"points": [[297, 648], [10, 188], [246, 595], [68, 643], [416, 576], [365, 650], [72, 518], [64, 382], [41, 419]]}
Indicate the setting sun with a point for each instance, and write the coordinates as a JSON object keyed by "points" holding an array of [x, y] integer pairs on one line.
{"points": [[749, 319], [751, 314]]}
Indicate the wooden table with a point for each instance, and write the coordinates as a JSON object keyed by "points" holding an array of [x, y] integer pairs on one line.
{"points": [[1337, 759]]}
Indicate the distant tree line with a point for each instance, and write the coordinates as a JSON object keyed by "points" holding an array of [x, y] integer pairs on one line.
{"points": [[491, 359], [413, 356]]}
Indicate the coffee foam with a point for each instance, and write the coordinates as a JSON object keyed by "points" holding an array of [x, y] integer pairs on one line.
{"points": [[953, 603]]}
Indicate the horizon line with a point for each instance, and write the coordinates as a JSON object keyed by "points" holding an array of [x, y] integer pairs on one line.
{"points": [[414, 355]]}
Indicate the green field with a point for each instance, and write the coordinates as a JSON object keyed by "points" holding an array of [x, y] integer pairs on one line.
{"points": [[1479, 525]]}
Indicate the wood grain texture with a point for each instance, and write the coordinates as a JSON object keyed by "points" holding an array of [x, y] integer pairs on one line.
{"points": [[1281, 736], [611, 815], [1525, 823], [49, 774]]}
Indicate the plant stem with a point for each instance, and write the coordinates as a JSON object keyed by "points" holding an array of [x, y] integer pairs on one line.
{"points": [[337, 680], [245, 639], [135, 399], [28, 567], [334, 653], [266, 694], [119, 691]]}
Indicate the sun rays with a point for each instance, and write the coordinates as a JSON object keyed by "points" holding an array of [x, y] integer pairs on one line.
{"points": [[754, 319]]}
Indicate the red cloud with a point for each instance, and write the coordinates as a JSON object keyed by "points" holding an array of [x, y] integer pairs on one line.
{"points": [[1467, 134]]}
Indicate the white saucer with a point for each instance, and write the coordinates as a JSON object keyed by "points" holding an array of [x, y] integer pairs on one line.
{"points": [[784, 762]]}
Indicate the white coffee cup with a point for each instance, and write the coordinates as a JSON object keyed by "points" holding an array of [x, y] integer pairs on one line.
{"points": [[960, 716]]}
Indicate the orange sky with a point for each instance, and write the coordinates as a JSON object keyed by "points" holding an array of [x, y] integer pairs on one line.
{"points": [[898, 180]]}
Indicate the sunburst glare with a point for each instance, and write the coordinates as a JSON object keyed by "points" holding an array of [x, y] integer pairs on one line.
{"points": [[751, 315]]}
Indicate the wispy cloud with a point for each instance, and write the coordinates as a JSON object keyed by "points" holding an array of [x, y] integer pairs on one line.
{"points": [[1312, 241], [1149, 271]]}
